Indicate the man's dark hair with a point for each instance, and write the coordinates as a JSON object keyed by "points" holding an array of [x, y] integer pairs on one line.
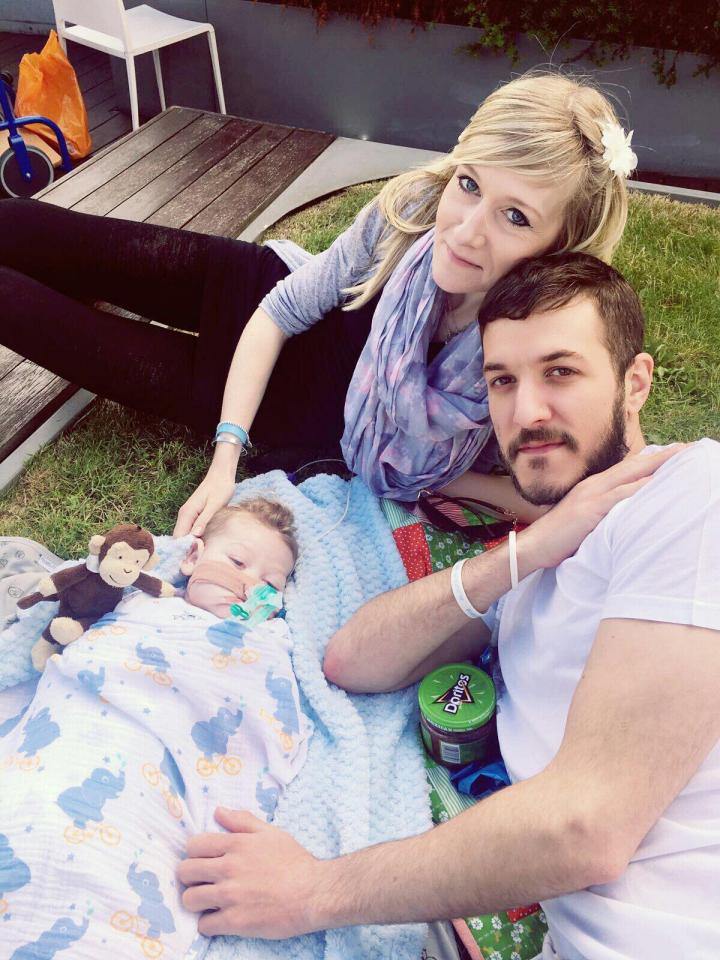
{"points": [[550, 282]]}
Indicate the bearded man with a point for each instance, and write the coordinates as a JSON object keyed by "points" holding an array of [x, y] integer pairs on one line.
{"points": [[606, 613]]}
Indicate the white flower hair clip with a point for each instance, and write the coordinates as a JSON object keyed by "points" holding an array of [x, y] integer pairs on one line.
{"points": [[618, 155]]}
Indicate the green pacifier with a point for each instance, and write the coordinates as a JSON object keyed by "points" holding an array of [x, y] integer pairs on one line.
{"points": [[262, 603]]}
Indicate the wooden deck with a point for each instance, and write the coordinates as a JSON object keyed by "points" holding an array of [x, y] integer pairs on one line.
{"points": [[184, 168]]}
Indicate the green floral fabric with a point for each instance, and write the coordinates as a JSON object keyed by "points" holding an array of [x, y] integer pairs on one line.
{"points": [[512, 935], [515, 934], [447, 548]]}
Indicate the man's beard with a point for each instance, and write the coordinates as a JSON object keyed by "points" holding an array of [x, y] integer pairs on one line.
{"points": [[611, 449]]}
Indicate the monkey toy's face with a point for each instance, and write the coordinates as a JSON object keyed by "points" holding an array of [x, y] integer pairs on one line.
{"points": [[122, 564]]}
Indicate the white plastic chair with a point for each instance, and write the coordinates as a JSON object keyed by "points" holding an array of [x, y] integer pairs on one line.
{"points": [[106, 25]]}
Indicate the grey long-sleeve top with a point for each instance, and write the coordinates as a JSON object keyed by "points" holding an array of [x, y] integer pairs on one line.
{"points": [[315, 285]]}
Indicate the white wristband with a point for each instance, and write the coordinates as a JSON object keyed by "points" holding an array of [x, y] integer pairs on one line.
{"points": [[458, 590], [512, 544]]}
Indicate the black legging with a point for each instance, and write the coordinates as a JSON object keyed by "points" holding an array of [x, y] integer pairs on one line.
{"points": [[54, 263]]}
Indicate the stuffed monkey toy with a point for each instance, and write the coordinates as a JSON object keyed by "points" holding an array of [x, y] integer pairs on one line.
{"points": [[90, 590]]}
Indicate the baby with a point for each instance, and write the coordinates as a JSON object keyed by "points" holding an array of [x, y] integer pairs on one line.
{"points": [[237, 555], [164, 710]]}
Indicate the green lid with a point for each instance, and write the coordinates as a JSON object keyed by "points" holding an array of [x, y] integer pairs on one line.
{"points": [[457, 697]]}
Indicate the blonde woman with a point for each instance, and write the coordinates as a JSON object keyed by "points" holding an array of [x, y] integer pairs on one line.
{"points": [[372, 344]]}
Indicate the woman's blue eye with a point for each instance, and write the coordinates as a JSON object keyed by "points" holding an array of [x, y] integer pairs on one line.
{"points": [[517, 217], [468, 184]]}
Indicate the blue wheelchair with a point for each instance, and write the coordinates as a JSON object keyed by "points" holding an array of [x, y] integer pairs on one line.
{"points": [[25, 170]]}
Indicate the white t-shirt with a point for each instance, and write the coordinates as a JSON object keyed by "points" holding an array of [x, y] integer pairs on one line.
{"points": [[656, 556]]}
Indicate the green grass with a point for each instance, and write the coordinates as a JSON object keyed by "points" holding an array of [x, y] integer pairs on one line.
{"points": [[671, 254], [118, 465], [315, 227], [114, 466]]}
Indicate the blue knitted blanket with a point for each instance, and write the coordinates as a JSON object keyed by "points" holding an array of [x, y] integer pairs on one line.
{"points": [[364, 781]]}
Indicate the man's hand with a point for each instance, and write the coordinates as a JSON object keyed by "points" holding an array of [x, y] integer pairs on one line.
{"points": [[256, 881], [558, 534]]}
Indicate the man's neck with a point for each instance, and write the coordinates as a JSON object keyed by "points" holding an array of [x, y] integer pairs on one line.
{"points": [[634, 438]]}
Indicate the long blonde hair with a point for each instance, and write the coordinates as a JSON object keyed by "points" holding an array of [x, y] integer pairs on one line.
{"points": [[540, 125]]}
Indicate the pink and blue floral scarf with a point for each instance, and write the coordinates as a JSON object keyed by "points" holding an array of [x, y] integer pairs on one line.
{"points": [[410, 424]]}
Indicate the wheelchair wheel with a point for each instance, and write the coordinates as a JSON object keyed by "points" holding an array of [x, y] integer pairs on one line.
{"points": [[152, 948], [205, 767], [12, 180], [151, 774], [110, 835], [220, 661], [122, 920], [174, 806], [231, 766], [74, 835]]}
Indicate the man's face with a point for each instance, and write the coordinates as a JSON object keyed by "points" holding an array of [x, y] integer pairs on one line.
{"points": [[555, 402]]}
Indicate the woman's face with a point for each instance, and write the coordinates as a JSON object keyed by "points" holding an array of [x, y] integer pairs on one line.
{"points": [[488, 219]]}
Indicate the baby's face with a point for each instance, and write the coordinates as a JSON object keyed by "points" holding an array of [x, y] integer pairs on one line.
{"points": [[253, 554]]}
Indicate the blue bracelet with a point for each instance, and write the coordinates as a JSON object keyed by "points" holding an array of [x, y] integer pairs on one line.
{"points": [[236, 430]]}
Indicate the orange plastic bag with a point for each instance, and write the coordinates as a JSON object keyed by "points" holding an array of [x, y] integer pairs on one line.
{"points": [[47, 86]]}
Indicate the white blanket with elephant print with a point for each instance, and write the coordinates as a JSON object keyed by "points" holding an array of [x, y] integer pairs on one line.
{"points": [[135, 735]]}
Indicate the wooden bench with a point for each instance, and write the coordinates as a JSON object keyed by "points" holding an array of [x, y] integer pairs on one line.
{"points": [[184, 168]]}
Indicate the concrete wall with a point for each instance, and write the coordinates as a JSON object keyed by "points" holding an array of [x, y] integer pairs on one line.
{"points": [[26, 16], [396, 85], [416, 89]]}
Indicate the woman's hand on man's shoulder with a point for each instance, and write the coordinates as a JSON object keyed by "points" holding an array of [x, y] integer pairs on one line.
{"points": [[558, 534]]}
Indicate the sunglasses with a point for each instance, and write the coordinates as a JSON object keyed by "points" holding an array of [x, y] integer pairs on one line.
{"points": [[489, 522]]}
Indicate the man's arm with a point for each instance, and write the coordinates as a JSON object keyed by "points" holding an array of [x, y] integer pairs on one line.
{"points": [[399, 636], [643, 718], [361, 657]]}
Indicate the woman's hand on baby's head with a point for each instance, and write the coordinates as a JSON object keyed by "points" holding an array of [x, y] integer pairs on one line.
{"points": [[194, 515]]}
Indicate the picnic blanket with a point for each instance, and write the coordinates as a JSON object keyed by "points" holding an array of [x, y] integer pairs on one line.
{"points": [[507, 934], [364, 781]]}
